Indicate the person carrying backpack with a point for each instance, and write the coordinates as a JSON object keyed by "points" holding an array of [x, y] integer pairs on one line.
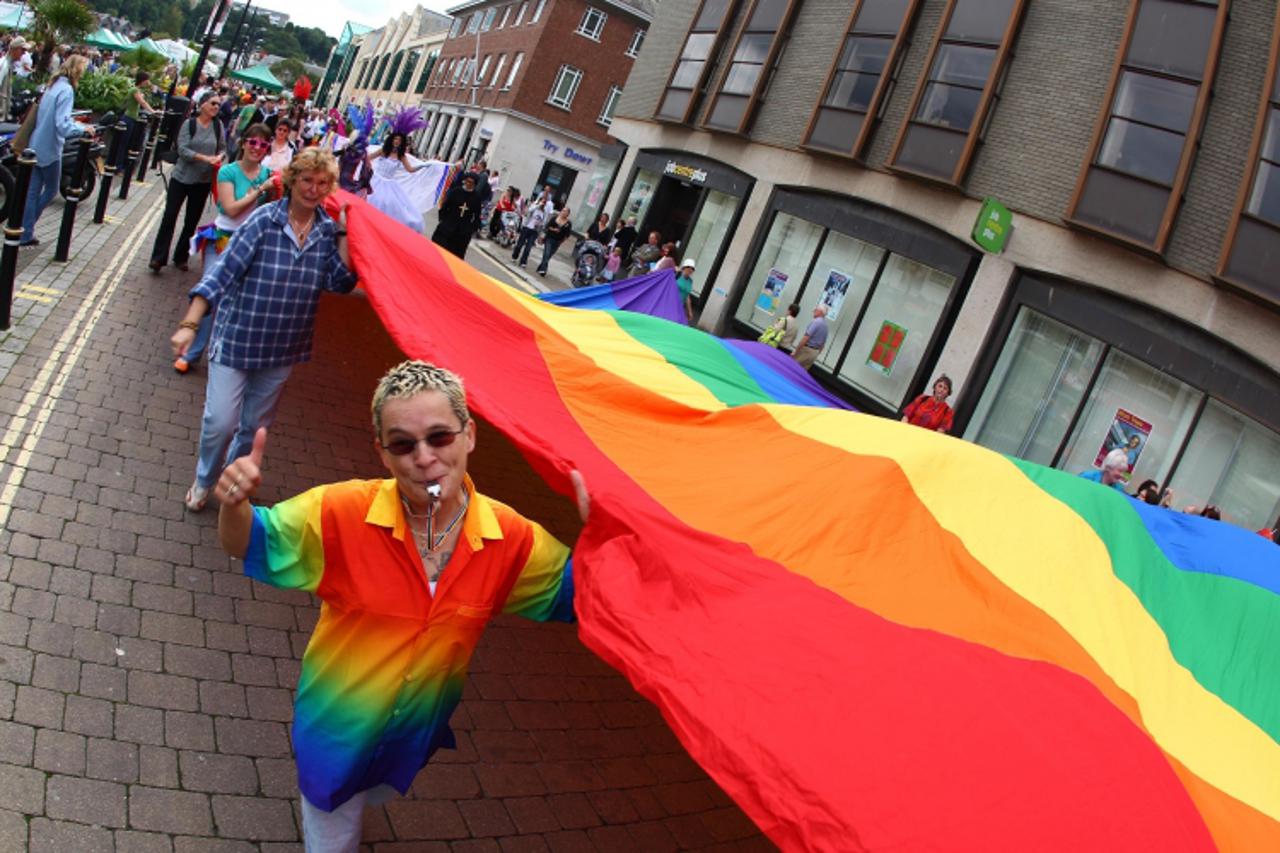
{"points": [[200, 152]]}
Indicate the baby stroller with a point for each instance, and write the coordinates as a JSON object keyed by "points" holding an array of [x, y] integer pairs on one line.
{"points": [[588, 261], [510, 231]]}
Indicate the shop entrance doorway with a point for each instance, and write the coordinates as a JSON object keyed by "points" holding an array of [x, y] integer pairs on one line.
{"points": [[559, 177], [674, 205]]}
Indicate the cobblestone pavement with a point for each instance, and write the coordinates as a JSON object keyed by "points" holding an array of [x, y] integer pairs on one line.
{"points": [[145, 685]]}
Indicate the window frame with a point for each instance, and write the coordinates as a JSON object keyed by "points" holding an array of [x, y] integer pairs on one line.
{"points": [[486, 23], [1270, 101], [484, 70], [1190, 145], [982, 113], [582, 24], [506, 14], [637, 41], [473, 23], [565, 69], [698, 89], [412, 56], [537, 12], [610, 105], [884, 86], [456, 29], [516, 62], [780, 36], [524, 7], [497, 71], [428, 68]]}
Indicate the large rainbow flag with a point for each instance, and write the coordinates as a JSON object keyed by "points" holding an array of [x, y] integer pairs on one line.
{"points": [[873, 636]]}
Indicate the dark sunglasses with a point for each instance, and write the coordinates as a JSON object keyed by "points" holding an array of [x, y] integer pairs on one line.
{"points": [[439, 438], [257, 143]]}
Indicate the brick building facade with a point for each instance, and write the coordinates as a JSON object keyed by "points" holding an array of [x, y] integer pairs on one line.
{"points": [[826, 151], [532, 85]]}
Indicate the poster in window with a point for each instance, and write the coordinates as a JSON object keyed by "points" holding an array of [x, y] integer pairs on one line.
{"points": [[774, 284], [834, 292], [884, 352], [1128, 432]]}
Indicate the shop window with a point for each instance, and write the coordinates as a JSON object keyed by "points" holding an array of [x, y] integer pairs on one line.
{"points": [[751, 64], [592, 23], [707, 236], [862, 76], [697, 57], [515, 69], [1141, 155], [1232, 462], [781, 267], [905, 305], [565, 87], [1251, 253], [1032, 396], [633, 50], [956, 97], [1130, 398], [406, 73], [610, 104], [497, 71], [424, 78], [841, 279], [638, 200]]}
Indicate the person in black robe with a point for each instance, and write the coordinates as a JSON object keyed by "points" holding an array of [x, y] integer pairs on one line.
{"points": [[459, 216]]}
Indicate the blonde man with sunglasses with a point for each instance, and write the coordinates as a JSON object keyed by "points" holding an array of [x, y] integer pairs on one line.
{"points": [[409, 570]]}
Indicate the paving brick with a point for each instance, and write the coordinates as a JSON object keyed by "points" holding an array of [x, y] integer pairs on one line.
{"points": [[139, 725], [426, 819], [114, 761], [252, 669], [215, 608], [39, 707], [271, 642], [110, 590], [226, 636], [56, 673], [254, 818], [65, 580], [51, 637], [184, 730], [251, 737], [211, 845], [217, 774], [164, 598], [128, 841], [36, 603], [270, 703], [59, 752], [74, 610], [198, 663], [134, 653], [158, 766], [288, 671], [161, 810], [524, 844], [486, 818], [155, 690], [17, 743], [171, 628], [88, 716], [96, 647], [569, 841], [86, 801], [141, 569], [223, 699], [119, 619], [21, 789], [50, 836], [14, 629], [511, 780], [446, 782], [33, 574], [13, 831]]}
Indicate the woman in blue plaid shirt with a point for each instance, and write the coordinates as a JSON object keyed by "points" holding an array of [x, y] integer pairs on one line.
{"points": [[266, 287]]}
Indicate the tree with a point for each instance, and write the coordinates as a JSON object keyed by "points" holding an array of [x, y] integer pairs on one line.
{"points": [[288, 71], [59, 22]]}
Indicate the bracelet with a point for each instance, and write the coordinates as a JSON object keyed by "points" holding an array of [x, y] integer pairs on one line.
{"points": [[193, 325]]}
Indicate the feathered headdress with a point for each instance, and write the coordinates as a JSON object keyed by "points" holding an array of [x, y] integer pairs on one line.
{"points": [[361, 120], [408, 120], [302, 88]]}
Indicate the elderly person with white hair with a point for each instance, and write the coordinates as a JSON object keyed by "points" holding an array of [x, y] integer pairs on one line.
{"points": [[809, 347], [1115, 465]]}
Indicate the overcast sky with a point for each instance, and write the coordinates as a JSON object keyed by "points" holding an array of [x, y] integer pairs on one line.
{"points": [[332, 15]]}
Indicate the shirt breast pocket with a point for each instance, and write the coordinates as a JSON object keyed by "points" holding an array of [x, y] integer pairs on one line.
{"points": [[458, 629]]}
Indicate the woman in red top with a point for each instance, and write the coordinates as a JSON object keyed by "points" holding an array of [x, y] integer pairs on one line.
{"points": [[931, 410], [506, 204]]}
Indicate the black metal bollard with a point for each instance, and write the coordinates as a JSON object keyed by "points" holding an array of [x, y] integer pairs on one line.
{"points": [[133, 156], [13, 233], [71, 200], [148, 150], [109, 171]]}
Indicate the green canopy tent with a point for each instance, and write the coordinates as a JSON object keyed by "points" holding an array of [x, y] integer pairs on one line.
{"points": [[103, 39], [122, 43], [258, 75], [149, 44]]}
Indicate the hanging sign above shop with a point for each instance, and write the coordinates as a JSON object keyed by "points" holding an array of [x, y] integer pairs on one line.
{"points": [[685, 173], [994, 225]]}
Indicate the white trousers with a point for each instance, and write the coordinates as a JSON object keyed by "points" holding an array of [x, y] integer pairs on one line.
{"points": [[338, 831]]}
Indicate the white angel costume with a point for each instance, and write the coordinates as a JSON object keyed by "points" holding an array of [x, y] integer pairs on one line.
{"points": [[405, 195]]}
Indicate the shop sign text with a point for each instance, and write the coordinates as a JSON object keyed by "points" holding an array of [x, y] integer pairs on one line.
{"points": [[569, 153], [685, 173]]}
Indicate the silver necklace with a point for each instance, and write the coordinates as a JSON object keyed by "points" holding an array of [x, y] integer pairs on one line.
{"points": [[428, 542]]}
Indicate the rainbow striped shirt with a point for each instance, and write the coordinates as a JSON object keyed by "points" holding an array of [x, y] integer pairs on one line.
{"points": [[386, 664]]}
